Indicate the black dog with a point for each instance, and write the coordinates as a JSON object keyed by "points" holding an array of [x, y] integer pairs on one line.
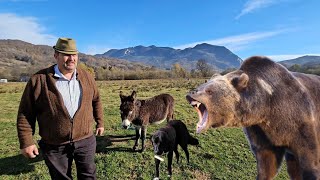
{"points": [[167, 139]]}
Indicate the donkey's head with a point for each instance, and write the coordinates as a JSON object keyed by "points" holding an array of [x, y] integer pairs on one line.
{"points": [[127, 109]]}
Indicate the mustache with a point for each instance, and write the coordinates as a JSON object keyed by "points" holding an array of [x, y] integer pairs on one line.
{"points": [[70, 61]]}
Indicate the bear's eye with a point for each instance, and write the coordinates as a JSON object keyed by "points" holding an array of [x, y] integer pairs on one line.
{"points": [[209, 91]]}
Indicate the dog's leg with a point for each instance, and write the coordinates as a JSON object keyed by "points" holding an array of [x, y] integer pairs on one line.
{"points": [[176, 152], [143, 137], [185, 149], [170, 155], [138, 130], [157, 161]]}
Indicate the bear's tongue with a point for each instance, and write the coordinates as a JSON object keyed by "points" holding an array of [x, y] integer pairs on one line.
{"points": [[202, 113]]}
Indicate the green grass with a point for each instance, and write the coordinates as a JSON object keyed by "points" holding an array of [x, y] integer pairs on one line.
{"points": [[222, 154]]}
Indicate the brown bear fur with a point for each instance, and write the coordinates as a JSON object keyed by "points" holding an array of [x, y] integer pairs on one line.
{"points": [[279, 110]]}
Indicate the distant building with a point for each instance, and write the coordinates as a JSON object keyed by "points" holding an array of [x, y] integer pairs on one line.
{"points": [[3, 80]]}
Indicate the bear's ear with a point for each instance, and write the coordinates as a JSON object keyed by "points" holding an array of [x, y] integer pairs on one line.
{"points": [[215, 75], [240, 82]]}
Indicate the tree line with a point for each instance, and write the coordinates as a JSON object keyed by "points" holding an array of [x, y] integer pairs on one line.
{"points": [[308, 69], [201, 70]]}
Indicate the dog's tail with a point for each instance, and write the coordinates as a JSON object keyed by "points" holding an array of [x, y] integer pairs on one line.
{"points": [[192, 140]]}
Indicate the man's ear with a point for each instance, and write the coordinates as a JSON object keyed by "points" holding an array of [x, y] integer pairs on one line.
{"points": [[56, 54], [240, 82]]}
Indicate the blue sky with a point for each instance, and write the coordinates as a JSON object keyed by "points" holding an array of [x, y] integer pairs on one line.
{"points": [[280, 29]]}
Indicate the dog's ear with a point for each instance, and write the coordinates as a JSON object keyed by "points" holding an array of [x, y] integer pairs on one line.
{"points": [[151, 139], [155, 140], [164, 138]]}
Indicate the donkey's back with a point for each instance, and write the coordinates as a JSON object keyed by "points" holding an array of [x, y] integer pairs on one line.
{"points": [[157, 109]]}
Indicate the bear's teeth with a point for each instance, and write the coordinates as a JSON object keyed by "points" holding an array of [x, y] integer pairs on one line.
{"points": [[195, 104]]}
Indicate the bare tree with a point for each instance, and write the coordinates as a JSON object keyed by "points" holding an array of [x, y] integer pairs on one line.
{"points": [[179, 71], [204, 68]]}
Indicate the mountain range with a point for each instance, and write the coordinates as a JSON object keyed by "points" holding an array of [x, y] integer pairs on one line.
{"points": [[303, 60], [17, 57], [219, 57], [16, 53]]}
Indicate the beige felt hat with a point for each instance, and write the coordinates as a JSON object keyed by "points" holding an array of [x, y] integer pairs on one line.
{"points": [[66, 46]]}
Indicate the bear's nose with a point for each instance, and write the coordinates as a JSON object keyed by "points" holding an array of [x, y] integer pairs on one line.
{"points": [[194, 91]]}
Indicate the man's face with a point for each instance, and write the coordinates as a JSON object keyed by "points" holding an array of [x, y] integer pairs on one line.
{"points": [[66, 62]]}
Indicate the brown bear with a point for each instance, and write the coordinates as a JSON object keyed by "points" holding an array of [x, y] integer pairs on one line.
{"points": [[279, 110]]}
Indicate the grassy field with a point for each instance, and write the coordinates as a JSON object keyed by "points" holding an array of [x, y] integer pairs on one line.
{"points": [[222, 154]]}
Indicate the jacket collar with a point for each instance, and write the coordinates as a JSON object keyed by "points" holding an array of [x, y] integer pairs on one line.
{"points": [[51, 72]]}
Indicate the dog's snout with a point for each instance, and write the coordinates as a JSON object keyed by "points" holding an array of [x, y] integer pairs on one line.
{"points": [[155, 149], [158, 152]]}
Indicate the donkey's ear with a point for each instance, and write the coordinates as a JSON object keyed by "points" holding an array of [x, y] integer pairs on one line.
{"points": [[121, 95], [134, 94], [240, 82]]}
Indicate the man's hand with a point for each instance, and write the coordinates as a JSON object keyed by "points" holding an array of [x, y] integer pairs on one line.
{"points": [[99, 131], [30, 151]]}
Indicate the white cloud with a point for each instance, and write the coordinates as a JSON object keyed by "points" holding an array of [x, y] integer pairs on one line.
{"points": [[253, 5], [26, 29], [237, 42]]}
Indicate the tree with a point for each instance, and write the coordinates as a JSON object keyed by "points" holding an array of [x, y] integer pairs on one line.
{"points": [[179, 71], [295, 68], [204, 68], [226, 71], [87, 68]]}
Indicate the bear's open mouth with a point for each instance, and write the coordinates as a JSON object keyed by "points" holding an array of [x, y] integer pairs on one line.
{"points": [[202, 113]]}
